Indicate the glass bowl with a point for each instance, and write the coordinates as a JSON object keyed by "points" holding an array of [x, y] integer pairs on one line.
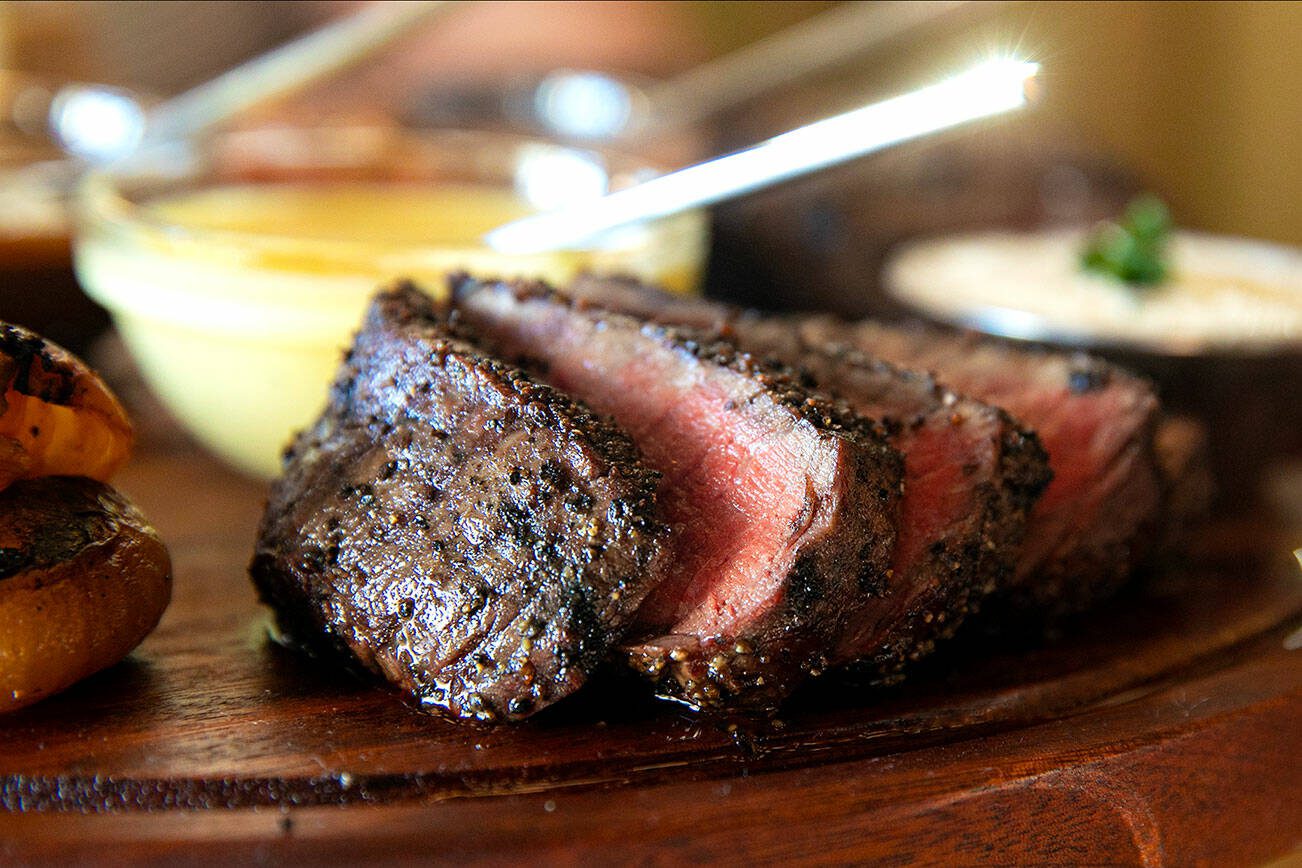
{"points": [[237, 270]]}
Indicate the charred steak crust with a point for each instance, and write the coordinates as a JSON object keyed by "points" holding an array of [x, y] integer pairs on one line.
{"points": [[960, 533], [474, 536], [834, 567]]}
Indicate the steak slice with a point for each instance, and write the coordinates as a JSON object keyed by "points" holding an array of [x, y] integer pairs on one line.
{"points": [[627, 295], [971, 474], [783, 504], [477, 538], [971, 477], [1095, 519]]}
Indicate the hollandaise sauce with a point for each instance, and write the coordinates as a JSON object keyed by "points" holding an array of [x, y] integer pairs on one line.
{"points": [[237, 299]]}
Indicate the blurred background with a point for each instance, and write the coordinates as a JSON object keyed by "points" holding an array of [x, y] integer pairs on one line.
{"points": [[1201, 99], [1198, 102]]}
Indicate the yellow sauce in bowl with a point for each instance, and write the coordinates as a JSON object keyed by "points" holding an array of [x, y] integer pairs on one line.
{"points": [[237, 299], [383, 229], [370, 213]]}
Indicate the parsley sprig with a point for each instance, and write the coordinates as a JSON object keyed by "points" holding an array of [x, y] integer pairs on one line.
{"points": [[1134, 249]]}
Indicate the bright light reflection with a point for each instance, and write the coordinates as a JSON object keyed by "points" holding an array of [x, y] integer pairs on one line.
{"points": [[97, 124], [549, 177], [988, 89], [583, 104]]}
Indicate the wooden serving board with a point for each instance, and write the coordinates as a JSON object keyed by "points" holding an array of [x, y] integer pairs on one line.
{"points": [[1166, 729]]}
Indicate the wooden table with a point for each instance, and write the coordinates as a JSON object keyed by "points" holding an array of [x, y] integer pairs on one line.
{"points": [[1162, 730]]}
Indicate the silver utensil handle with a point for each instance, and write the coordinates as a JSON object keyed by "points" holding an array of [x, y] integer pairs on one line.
{"points": [[988, 89], [290, 67]]}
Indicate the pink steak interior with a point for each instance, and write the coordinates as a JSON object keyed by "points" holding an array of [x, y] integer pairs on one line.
{"points": [[739, 473]]}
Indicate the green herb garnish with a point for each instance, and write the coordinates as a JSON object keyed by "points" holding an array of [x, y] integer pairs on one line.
{"points": [[1134, 249]]}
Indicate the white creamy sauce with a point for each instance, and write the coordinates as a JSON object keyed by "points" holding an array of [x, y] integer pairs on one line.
{"points": [[1223, 292]]}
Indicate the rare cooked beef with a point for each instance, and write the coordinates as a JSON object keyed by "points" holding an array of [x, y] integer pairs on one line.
{"points": [[1097, 517], [1102, 512], [474, 536], [783, 504], [971, 477], [971, 474], [1104, 509]]}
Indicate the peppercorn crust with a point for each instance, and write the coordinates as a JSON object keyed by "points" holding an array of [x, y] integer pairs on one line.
{"points": [[468, 533]]}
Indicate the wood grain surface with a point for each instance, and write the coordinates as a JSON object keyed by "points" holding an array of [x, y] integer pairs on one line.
{"points": [[1164, 729]]}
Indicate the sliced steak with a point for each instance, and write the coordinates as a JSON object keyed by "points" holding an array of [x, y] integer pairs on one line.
{"points": [[477, 538], [1124, 478], [636, 299], [1095, 520], [783, 504], [971, 474], [971, 477]]}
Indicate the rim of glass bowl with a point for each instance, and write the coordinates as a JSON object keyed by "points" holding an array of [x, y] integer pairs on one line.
{"points": [[113, 198]]}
